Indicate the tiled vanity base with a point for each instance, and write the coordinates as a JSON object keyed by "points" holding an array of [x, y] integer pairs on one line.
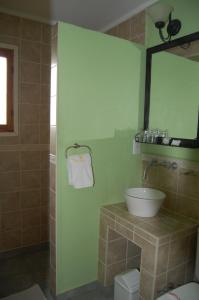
{"points": [[166, 244]]}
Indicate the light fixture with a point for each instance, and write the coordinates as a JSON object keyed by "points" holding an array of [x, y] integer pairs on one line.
{"points": [[161, 14]]}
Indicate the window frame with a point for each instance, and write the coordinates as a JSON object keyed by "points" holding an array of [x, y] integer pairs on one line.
{"points": [[11, 53]]}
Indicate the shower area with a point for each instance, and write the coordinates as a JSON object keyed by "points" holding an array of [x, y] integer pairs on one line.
{"points": [[24, 163]]}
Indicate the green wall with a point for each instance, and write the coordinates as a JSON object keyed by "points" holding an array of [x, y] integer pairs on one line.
{"points": [[98, 99], [187, 12]]}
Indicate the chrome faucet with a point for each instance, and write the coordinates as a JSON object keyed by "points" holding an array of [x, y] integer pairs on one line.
{"points": [[152, 163], [163, 163]]}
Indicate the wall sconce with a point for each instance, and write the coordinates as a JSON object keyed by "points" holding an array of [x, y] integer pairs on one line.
{"points": [[160, 14]]}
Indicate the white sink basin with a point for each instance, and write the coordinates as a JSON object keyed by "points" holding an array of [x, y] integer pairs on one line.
{"points": [[144, 202]]}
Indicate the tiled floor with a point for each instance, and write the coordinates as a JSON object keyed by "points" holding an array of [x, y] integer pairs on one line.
{"points": [[21, 271], [97, 294]]}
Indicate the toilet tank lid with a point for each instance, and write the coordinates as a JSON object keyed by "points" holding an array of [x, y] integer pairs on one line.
{"points": [[189, 291]]}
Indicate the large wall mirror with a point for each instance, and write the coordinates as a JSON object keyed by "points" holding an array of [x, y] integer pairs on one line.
{"points": [[172, 89]]}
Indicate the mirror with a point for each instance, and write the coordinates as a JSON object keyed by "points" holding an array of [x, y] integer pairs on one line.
{"points": [[172, 89]]}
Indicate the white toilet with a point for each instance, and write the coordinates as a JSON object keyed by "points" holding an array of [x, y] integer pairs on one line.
{"points": [[189, 291]]}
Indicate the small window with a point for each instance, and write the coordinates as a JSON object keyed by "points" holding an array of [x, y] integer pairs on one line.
{"points": [[7, 88]]}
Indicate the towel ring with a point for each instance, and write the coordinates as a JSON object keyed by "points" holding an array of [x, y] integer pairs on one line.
{"points": [[77, 146]]}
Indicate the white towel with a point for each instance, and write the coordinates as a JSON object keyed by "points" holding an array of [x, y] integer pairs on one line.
{"points": [[80, 173]]}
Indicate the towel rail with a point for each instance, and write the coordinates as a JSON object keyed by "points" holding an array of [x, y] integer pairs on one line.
{"points": [[77, 146]]}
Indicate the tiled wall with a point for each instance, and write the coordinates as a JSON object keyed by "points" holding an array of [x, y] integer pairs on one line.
{"points": [[181, 185], [167, 246], [24, 158], [133, 29], [118, 253], [53, 161]]}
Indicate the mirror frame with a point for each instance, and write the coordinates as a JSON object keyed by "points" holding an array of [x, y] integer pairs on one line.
{"points": [[186, 143]]}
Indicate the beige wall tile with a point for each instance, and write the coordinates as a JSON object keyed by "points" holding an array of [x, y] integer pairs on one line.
{"points": [[31, 30], [9, 161], [124, 30], [44, 178], [188, 207], [124, 231], [103, 246], [45, 164], [114, 270], [45, 93], [44, 113], [133, 262], [45, 74], [140, 39], [189, 183], [30, 51], [189, 271], [160, 285], [9, 181], [10, 40], [146, 285], [176, 276], [52, 230], [192, 244], [45, 54], [103, 229], [30, 72], [113, 235], [101, 273], [9, 202], [170, 201], [30, 93], [9, 140], [116, 251], [138, 24], [52, 205], [31, 218], [143, 233], [162, 260], [53, 256], [167, 179], [44, 195], [53, 281], [44, 233], [30, 179], [9, 25], [10, 221], [29, 134], [132, 249], [29, 113], [46, 33], [148, 254], [44, 133], [31, 236], [113, 31], [30, 160], [30, 199], [52, 177], [33, 41], [178, 252], [44, 214], [10, 240]]}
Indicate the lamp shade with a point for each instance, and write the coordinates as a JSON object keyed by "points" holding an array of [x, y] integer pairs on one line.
{"points": [[159, 12]]}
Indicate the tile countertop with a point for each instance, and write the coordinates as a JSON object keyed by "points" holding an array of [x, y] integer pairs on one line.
{"points": [[160, 229]]}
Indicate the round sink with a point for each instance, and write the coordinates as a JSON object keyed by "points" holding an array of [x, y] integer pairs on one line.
{"points": [[144, 202]]}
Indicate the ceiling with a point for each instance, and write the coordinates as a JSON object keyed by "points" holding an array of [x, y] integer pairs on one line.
{"points": [[98, 15]]}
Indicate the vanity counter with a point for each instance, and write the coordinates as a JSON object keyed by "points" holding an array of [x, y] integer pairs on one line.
{"points": [[167, 245]]}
